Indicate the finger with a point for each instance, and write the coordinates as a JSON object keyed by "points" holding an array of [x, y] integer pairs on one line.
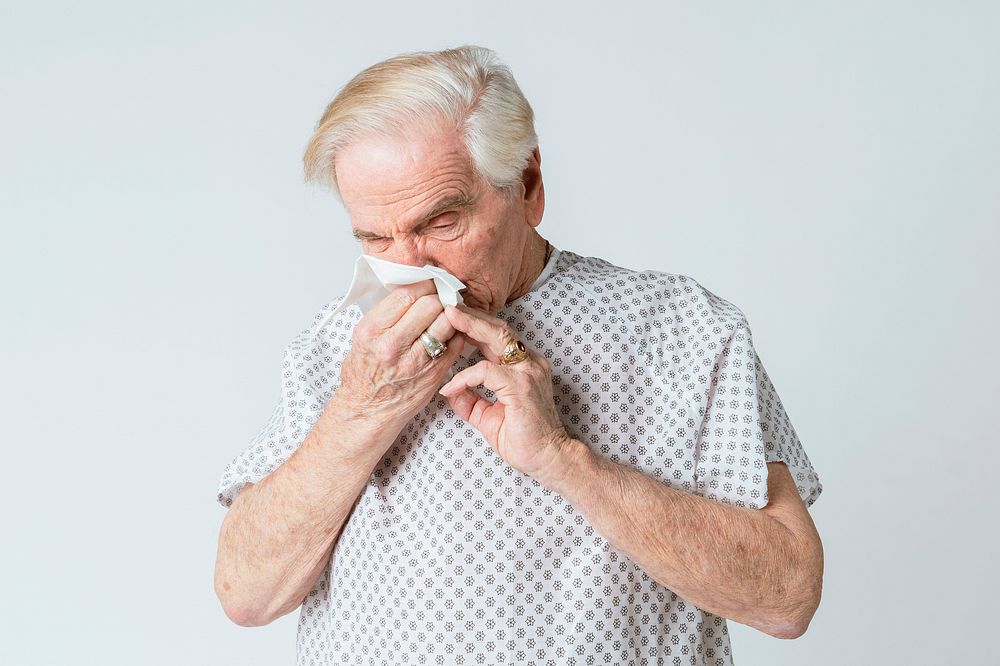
{"points": [[453, 348], [441, 327], [469, 405], [490, 334], [473, 408], [395, 304], [416, 320], [487, 373]]}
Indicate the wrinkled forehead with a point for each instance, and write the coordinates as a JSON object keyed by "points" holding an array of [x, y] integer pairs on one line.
{"points": [[384, 168]]}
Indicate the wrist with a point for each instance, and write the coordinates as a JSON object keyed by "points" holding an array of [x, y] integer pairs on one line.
{"points": [[353, 430], [570, 461]]}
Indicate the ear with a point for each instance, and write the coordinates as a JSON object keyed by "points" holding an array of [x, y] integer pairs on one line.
{"points": [[534, 189]]}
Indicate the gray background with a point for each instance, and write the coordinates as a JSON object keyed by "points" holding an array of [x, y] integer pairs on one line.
{"points": [[832, 168]]}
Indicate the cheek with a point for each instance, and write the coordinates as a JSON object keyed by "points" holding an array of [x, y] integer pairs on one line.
{"points": [[481, 260]]}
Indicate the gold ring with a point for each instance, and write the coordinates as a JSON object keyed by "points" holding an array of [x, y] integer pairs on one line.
{"points": [[514, 352]]}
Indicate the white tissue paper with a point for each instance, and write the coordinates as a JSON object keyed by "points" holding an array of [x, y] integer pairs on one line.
{"points": [[374, 278]]}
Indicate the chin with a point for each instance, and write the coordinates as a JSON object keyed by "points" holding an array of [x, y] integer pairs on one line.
{"points": [[472, 302]]}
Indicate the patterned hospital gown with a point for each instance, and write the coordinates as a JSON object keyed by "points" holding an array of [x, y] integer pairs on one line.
{"points": [[453, 557]]}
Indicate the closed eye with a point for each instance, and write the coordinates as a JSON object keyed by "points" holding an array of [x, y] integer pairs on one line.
{"points": [[443, 221]]}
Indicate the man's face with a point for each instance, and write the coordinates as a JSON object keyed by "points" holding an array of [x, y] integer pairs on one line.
{"points": [[417, 201]]}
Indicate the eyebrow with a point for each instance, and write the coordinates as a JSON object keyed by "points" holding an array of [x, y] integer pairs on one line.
{"points": [[448, 203]]}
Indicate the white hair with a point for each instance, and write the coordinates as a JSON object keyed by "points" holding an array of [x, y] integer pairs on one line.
{"points": [[467, 87]]}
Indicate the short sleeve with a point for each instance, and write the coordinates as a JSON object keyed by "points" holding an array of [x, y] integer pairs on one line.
{"points": [[310, 372], [744, 427], [282, 434]]}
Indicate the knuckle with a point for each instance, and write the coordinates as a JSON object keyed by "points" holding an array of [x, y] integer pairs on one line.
{"points": [[534, 370], [415, 290], [360, 332], [405, 296], [401, 343], [411, 355], [387, 353], [431, 302]]}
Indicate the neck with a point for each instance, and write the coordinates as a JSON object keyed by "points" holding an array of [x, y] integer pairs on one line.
{"points": [[532, 264]]}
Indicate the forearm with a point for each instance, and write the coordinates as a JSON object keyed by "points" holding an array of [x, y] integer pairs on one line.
{"points": [[278, 535], [732, 561]]}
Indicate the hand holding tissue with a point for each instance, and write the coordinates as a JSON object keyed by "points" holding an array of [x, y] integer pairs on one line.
{"points": [[374, 278]]}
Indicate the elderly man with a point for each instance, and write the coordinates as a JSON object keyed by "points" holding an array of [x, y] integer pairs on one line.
{"points": [[625, 479]]}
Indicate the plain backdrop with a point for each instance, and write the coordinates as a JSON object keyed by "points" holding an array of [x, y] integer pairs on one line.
{"points": [[832, 168]]}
